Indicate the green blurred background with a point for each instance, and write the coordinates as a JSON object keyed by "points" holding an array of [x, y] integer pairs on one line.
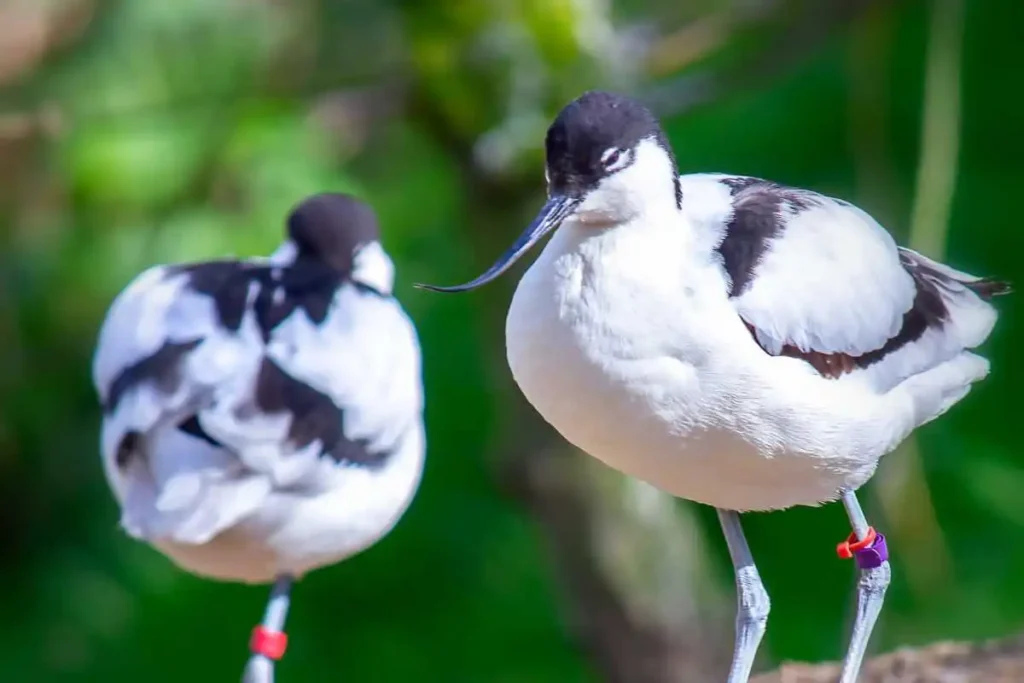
{"points": [[134, 132]]}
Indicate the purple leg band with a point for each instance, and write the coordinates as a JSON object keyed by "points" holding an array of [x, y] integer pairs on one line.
{"points": [[874, 555]]}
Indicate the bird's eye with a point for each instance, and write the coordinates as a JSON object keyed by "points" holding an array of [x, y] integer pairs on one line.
{"points": [[615, 159], [611, 157]]}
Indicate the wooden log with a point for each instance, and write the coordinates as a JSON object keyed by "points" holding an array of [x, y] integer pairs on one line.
{"points": [[994, 661]]}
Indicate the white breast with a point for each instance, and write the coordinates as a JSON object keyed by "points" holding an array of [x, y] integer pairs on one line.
{"points": [[625, 344]]}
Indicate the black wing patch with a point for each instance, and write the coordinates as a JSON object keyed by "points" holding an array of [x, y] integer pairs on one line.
{"points": [[760, 211], [163, 368], [280, 291], [929, 310], [309, 285], [192, 427], [314, 416]]}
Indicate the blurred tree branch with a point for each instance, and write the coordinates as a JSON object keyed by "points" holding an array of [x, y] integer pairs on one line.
{"points": [[795, 29], [902, 490], [996, 661], [623, 645]]}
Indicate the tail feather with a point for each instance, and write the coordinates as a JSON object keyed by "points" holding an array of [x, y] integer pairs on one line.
{"points": [[969, 316], [987, 288], [943, 275], [195, 507], [952, 314], [183, 489]]}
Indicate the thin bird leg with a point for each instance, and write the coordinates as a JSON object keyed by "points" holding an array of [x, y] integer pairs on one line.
{"points": [[752, 605], [268, 639], [872, 556]]}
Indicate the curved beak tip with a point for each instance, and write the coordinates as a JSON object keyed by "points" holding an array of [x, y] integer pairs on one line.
{"points": [[551, 216], [434, 288]]}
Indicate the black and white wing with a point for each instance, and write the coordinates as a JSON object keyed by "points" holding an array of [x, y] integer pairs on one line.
{"points": [[818, 278], [223, 381]]}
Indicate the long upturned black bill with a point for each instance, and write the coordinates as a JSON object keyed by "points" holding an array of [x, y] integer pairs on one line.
{"points": [[556, 210]]}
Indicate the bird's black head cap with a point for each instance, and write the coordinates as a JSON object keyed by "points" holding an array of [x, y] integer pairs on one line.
{"points": [[331, 227], [596, 135]]}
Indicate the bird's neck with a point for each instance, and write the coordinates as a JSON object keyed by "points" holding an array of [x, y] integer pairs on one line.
{"points": [[653, 246], [655, 225]]}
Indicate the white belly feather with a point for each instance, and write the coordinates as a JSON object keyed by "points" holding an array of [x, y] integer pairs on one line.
{"points": [[605, 353]]}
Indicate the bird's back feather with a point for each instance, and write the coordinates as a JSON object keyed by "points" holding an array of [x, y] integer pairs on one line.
{"points": [[226, 381], [817, 278]]}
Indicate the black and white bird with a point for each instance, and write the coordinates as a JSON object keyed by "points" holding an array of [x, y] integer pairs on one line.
{"points": [[729, 340], [264, 417]]}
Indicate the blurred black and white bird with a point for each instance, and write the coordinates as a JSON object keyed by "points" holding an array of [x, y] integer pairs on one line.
{"points": [[263, 417], [730, 340]]}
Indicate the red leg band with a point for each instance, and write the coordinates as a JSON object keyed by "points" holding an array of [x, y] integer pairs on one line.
{"points": [[270, 644], [851, 545]]}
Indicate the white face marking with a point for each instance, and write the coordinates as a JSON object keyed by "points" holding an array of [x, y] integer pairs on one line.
{"points": [[278, 296], [373, 267], [285, 254], [643, 183], [615, 159]]}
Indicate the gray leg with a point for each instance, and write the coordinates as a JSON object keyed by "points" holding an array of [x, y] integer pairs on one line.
{"points": [[870, 592], [260, 668], [752, 600]]}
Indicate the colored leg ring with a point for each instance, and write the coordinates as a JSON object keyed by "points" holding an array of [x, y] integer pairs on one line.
{"points": [[270, 644], [869, 553]]}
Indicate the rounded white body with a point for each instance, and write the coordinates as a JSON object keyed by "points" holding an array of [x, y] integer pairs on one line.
{"points": [[259, 506], [623, 339]]}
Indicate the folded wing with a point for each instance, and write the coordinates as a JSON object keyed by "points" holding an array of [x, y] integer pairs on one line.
{"points": [[224, 381], [817, 278]]}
